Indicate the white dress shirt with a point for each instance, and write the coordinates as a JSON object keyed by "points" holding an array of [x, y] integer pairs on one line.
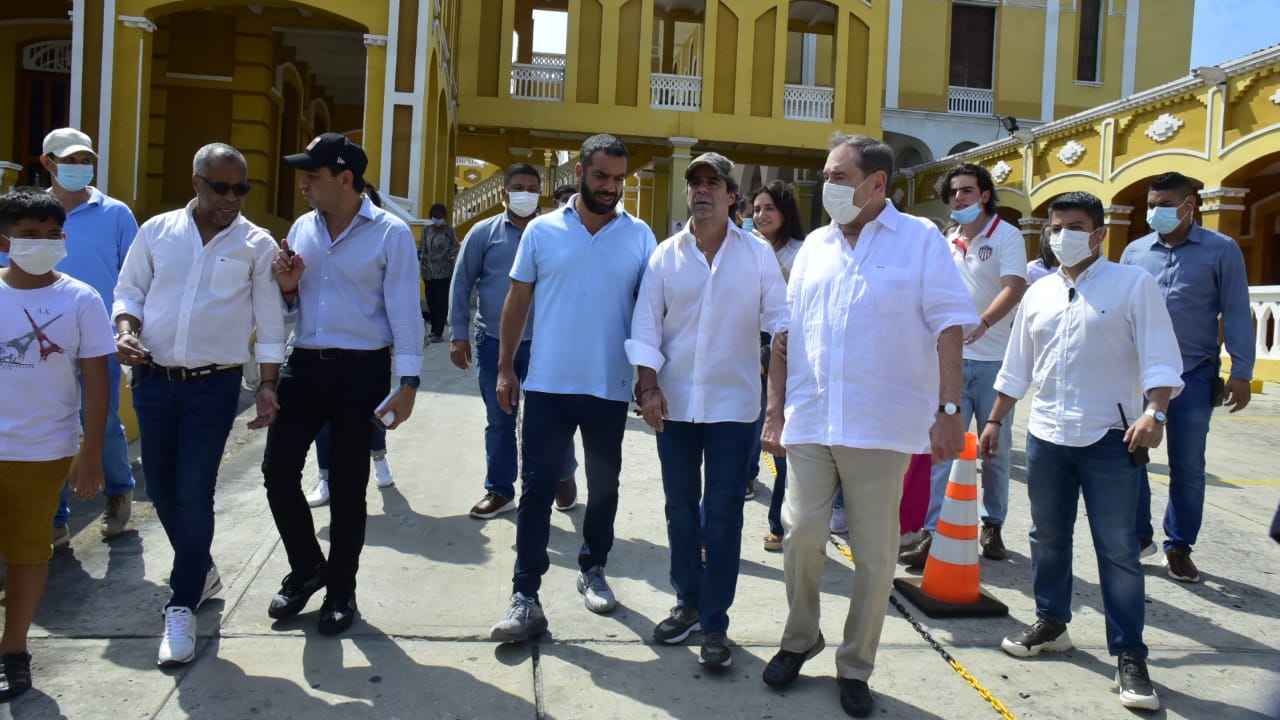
{"points": [[997, 251], [359, 290], [699, 325], [862, 353], [1103, 340], [198, 303]]}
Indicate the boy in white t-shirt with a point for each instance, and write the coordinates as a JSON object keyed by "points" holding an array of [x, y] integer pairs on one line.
{"points": [[52, 327]]}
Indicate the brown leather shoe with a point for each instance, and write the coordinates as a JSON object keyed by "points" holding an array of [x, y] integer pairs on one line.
{"points": [[991, 543], [1178, 562], [491, 506], [916, 557], [567, 494]]}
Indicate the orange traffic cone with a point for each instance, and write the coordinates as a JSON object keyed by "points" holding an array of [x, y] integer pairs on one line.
{"points": [[950, 586]]}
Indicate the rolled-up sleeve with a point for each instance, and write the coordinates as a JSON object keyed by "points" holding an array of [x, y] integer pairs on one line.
{"points": [[644, 346], [1159, 357], [268, 306], [946, 302], [400, 293], [1014, 378], [135, 278]]}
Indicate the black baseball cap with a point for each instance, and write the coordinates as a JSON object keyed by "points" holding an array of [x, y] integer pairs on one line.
{"points": [[331, 150]]}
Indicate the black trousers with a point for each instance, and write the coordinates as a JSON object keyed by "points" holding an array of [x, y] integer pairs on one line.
{"points": [[343, 392], [438, 304]]}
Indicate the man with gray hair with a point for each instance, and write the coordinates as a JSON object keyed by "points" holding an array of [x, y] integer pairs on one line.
{"points": [[880, 314], [195, 285]]}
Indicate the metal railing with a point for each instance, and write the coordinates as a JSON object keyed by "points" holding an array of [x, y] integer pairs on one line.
{"points": [[548, 60], [675, 92], [1264, 300], [537, 82], [970, 101], [808, 102]]}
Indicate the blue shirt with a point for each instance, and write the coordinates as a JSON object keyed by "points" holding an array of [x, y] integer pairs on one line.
{"points": [[360, 290], [99, 232], [484, 263], [585, 290], [1202, 277]]}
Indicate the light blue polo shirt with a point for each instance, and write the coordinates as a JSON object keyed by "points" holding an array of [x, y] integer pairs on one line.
{"points": [[585, 290]]}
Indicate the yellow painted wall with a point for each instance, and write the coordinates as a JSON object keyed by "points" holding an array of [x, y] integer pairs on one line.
{"points": [[922, 79], [1020, 44]]}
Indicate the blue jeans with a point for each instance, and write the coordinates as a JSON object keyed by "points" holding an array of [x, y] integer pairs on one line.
{"points": [[184, 431], [549, 423], [500, 428], [681, 449], [1186, 436], [324, 445], [115, 448], [1104, 473], [976, 398]]}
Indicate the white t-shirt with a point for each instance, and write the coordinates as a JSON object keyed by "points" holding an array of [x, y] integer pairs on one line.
{"points": [[43, 334], [997, 251]]}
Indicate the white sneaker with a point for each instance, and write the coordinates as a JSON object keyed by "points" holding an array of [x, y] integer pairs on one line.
{"points": [[212, 585], [320, 496], [382, 472], [596, 594], [179, 643], [909, 539], [839, 526]]}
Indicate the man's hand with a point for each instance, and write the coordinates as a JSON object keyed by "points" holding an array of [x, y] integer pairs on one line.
{"points": [[288, 268], [508, 390], [86, 477], [771, 435], [460, 354], [268, 406], [129, 350], [1145, 432], [1237, 394], [946, 437], [401, 405], [653, 407], [977, 333], [989, 441]]}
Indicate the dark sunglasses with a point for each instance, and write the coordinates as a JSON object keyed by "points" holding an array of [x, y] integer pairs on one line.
{"points": [[222, 188]]}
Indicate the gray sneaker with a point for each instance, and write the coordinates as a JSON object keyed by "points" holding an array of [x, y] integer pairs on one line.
{"points": [[115, 518], [677, 626], [524, 620], [596, 594], [715, 653]]}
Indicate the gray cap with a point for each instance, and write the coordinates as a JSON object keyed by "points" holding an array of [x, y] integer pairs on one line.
{"points": [[721, 164]]}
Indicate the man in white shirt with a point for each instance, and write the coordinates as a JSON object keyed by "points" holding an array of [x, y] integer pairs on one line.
{"points": [[1093, 338], [195, 285], [353, 280], [992, 260], [880, 313], [695, 339]]}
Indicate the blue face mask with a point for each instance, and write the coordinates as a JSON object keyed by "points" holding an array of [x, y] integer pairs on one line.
{"points": [[967, 215], [74, 177], [1163, 220]]}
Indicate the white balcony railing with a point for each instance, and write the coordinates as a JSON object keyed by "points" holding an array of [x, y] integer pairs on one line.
{"points": [[537, 82], [548, 60], [970, 101], [675, 92], [1264, 300], [808, 102]]}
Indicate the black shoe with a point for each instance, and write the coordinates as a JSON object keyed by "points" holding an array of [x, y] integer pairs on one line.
{"points": [[784, 668], [715, 653], [1134, 683], [677, 627], [294, 593], [15, 675], [337, 615], [992, 544], [1042, 635], [855, 697]]}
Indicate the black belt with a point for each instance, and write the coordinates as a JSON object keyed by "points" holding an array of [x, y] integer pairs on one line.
{"points": [[180, 374], [335, 353]]}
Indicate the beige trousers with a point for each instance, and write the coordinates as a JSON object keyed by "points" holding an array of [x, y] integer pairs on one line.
{"points": [[872, 482]]}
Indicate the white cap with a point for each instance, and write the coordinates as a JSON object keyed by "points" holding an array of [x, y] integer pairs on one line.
{"points": [[67, 141]]}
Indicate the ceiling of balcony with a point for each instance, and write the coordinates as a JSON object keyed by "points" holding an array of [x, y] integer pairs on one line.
{"points": [[337, 57], [809, 12]]}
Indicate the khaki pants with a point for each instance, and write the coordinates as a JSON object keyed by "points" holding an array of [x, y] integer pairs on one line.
{"points": [[872, 482]]}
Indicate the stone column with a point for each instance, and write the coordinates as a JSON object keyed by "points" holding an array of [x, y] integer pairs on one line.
{"points": [[659, 217], [1032, 229], [678, 207], [126, 103], [644, 202], [1118, 218]]}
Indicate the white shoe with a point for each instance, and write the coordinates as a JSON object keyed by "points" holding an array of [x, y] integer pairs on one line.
{"points": [[212, 585], [596, 594], [179, 643], [839, 526], [909, 539], [382, 472], [320, 496]]}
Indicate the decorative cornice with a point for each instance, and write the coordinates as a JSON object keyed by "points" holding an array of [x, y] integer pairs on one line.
{"points": [[371, 40], [1071, 153], [136, 21]]}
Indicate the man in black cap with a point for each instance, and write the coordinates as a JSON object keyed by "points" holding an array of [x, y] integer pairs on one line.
{"points": [[357, 307]]}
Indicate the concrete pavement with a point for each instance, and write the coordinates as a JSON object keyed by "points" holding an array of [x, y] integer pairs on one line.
{"points": [[433, 581]]}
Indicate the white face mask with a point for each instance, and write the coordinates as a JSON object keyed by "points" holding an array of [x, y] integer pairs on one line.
{"points": [[437, 222], [37, 256], [837, 200], [1071, 246], [522, 204], [1164, 220]]}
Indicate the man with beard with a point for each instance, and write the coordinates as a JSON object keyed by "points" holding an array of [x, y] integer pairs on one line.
{"points": [[357, 304], [195, 285], [582, 267]]}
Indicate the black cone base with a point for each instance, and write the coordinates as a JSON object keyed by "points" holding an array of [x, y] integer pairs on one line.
{"points": [[984, 606]]}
